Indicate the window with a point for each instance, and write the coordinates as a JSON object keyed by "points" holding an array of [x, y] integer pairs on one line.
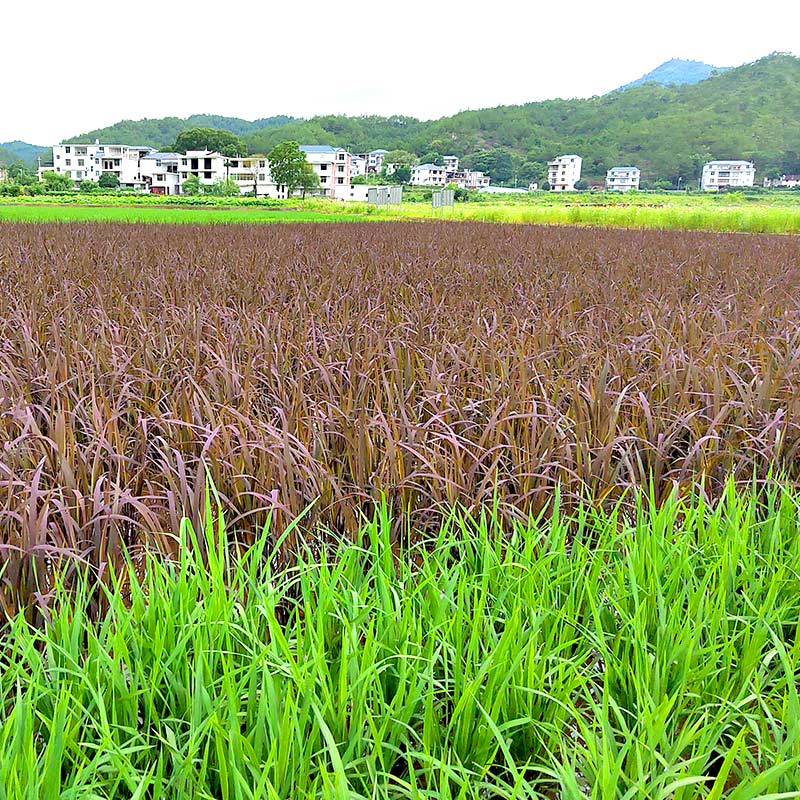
{"points": [[341, 168], [323, 179], [80, 162], [79, 174], [67, 150], [323, 167], [341, 156], [68, 162], [340, 181], [207, 175], [184, 162], [57, 156]]}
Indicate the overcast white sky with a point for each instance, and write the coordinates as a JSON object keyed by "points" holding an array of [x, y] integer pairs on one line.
{"points": [[71, 67]]}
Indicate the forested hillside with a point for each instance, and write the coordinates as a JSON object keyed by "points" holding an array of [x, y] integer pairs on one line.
{"points": [[750, 112], [13, 152], [163, 132]]}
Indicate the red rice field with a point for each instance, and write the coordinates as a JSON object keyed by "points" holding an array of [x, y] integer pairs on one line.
{"points": [[429, 363]]}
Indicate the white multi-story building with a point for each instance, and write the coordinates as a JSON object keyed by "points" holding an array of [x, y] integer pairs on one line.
{"points": [[332, 165], [473, 179], [358, 165], [163, 171], [84, 162], [251, 174], [623, 179], [564, 172], [723, 174], [451, 164], [784, 182], [428, 175], [206, 165], [375, 159]]}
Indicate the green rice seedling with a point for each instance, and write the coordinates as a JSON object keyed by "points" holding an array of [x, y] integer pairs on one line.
{"points": [[591, 654]]}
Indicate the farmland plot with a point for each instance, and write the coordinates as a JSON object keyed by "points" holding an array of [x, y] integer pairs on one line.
{"points": [[432, 364], [542, 549]]}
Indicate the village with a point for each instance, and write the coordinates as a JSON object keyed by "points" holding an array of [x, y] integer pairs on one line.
{"points": [[343, 175]]}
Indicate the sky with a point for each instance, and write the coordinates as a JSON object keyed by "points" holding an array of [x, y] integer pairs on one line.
{"points": [[72, 67]]}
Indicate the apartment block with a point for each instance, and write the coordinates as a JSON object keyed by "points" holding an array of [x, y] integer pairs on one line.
{"points": [[725, 174], [623, 179], [428, 175], [332, 165], [564, 172]]}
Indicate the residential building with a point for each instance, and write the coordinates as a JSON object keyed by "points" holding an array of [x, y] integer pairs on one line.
{"points": [[358, 165], [3, 173], [428, 175], [451, 164], [163, 171], [724, 174], [206, 165], [332, 165], [252, 176], [472, 179], [564, 172], [784, 182], [89, 161], [375, 159], [622, 179]]}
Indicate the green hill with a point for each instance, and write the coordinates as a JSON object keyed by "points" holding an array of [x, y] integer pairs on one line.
{"points": [[750, 112], [12, 152], [163, 132]]}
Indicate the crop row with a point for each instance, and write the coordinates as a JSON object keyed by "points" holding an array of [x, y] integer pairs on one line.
{"points": [[432, 364]]}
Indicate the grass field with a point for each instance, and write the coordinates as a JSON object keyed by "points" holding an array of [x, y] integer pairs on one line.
{"points": [[654, 655], [403, 509], [755, 214]]}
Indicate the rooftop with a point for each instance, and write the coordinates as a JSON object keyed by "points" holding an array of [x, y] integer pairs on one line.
{"points": [[318, 148], [428, 166]]}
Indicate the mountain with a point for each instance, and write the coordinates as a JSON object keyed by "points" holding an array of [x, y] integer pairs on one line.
{"points": [[750, 112], [11, 152], [163, 132], [675, 72]]}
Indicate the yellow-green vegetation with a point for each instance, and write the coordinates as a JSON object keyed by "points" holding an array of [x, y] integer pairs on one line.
{"points": [[597, 654], [770, 213]]}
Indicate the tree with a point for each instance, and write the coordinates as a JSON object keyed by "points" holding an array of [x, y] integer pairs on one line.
{"points": [[87, 186], [224, 142], [56, 182], [108, 180], [309, 180], [223, 188], [401, 174], [400, 158], [287, 165], [191, 185], [581, 185], [432, 157]]}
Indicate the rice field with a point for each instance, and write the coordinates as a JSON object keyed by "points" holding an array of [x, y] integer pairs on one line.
{"points": [[733, 213], [398, 510]]}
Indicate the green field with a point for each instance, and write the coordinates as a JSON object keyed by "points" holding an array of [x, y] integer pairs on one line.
{"points": [[650, 654], [779, 213]]}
